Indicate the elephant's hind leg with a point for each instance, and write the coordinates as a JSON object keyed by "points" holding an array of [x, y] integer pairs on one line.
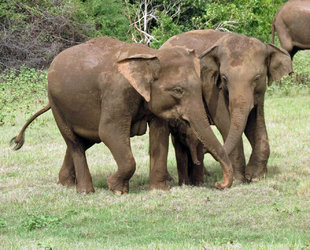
{"points": [[74, 168], [67, 172], [67, 176], [116, 136], [285, 38], [84, 182]]}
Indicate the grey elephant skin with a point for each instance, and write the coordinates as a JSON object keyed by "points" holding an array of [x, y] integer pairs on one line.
{"points": [[106, 90], [292, 22], [234, 78]]}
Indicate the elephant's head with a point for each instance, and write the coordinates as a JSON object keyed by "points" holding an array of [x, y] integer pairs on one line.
{"points": [[169, 81], [240, 66]]}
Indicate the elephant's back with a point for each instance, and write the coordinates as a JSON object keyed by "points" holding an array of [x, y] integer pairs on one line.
{"points": [[293, 12], [199, 40], [295, 15], [81, 65], [82, 62]]}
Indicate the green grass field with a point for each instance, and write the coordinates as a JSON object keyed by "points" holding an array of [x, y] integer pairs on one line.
{"points": [[36, 212]]}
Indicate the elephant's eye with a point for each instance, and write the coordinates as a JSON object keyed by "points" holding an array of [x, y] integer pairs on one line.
{"points": [[224, 79], [177, 92], [256, 78]]}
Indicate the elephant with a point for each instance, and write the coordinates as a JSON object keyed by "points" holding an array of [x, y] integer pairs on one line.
{"points": [[234, 84], [190, 162], [105, 90], [292, 22]]}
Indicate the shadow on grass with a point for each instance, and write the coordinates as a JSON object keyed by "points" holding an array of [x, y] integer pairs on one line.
{"points": [[140, 181], [273, 170]]}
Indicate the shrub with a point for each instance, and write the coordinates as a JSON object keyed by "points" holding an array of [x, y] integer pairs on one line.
{"points": [[34, 31], [109, 17]]}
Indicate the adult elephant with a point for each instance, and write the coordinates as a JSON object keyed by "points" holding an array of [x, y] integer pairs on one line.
{"points": [[292, 22], [106, 90], [234, 74]]}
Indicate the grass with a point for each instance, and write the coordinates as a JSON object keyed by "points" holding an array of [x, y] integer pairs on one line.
{"points": [[36, 212]]}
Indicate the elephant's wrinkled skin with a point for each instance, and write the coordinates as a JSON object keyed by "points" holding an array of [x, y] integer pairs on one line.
{"points": [[105, 90], [234, 83], [292, 22]]}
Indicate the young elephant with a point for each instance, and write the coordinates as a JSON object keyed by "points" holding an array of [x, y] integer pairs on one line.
{"points": [[106, 90], [292, 22], [234, 73], [190, 161]]}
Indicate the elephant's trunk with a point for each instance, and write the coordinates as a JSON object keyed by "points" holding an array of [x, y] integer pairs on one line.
{"points": [[239, 111], [199, 123]]}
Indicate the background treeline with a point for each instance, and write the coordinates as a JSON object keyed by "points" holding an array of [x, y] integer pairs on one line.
{"points": [[34, 31]]}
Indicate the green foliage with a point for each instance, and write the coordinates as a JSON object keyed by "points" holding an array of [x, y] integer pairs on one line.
{"points": [[109, 17], [249, 17], [20, 89], [33, 221], [165, 29]]}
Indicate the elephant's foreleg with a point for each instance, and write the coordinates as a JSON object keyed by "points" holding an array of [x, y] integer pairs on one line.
{"points": [[116, 136], [257, 134], [159, 142]]}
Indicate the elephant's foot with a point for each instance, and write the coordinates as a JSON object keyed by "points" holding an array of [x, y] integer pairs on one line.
{"points": [[196, 179], [169, 177], [239, 177], [117, 185], [254, 173], [159, 185], [67, 178], [85, 188], [183, 181], [196, 182]]}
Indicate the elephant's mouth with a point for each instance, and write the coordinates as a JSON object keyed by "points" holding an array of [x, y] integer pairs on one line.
{"points": [[179, 122], [185, 122]]}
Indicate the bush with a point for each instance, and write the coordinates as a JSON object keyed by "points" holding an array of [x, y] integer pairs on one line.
{"points": [[110, 18], [34, 31], [248, 17], [165, 29]]}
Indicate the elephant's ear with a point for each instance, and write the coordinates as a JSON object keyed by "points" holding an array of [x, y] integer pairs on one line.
{"points": [[279, 63], [140, 70], [209, 65]]}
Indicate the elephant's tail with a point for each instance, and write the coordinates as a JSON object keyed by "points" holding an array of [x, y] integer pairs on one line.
{"points": [[20, 139], [272, 32]]}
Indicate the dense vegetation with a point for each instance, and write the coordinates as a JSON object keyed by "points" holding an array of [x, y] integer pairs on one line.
{"points": [[34, 31]]}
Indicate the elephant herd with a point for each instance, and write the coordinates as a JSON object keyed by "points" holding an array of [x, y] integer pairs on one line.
{"points": [[107, 91]]}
